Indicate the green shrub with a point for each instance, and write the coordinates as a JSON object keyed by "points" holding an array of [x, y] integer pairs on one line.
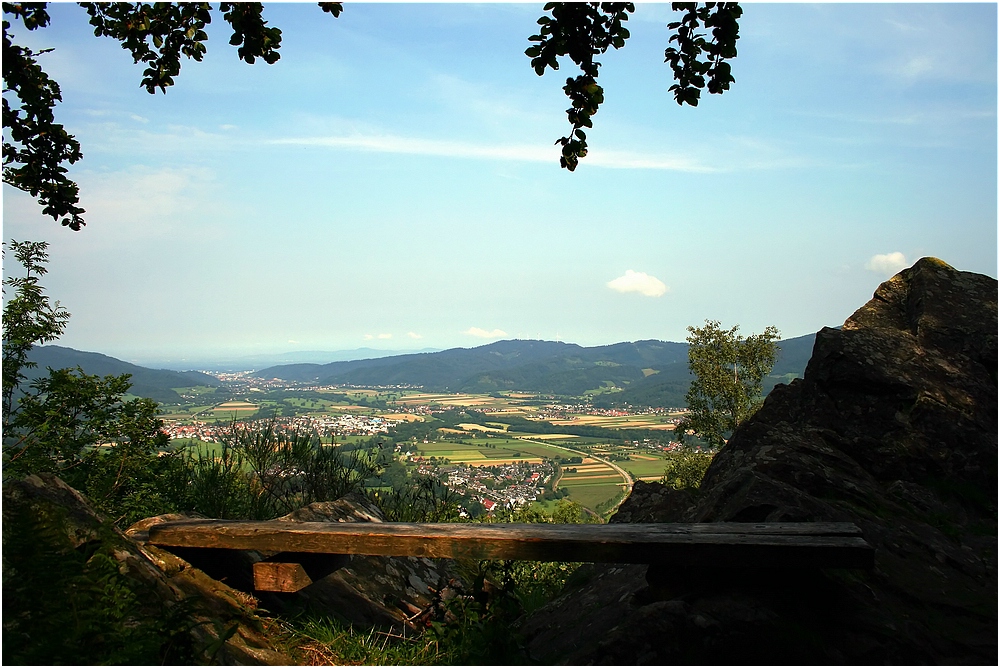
{"points": [[73, 606], [685, 468]]}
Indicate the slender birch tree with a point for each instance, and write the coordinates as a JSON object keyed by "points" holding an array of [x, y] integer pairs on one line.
{"points": [[729, 371]]}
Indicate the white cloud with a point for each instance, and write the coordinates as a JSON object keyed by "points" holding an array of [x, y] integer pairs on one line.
{"points": [[639, 281], [887, 264], [385, 336], [368, 337], [414, 335], [483, 334], [517, 152], [134, 205]]}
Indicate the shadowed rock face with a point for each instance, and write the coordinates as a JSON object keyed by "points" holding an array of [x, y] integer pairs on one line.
{"points": [[894, 427], [204, 607], [366, 591], [377, 591]]}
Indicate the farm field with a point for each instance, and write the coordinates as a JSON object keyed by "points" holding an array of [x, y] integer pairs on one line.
{"points": [[503, 405], [181, 412], [489, 451], [591, 483], [592, 493], [457, 400], [196, 445], [479, 452], [236, 407], [643, 464], [618, 422], [644, 469], [350, 408], [401, 417], [467, 426]]}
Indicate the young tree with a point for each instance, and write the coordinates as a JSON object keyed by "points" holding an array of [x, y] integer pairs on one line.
{"points": [[28, 318], [74, 424], [729, 371]]}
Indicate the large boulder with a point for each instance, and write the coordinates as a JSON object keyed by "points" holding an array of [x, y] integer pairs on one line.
{"points": [[893, 427], [388, 592], [77, 590], [391, 593]]}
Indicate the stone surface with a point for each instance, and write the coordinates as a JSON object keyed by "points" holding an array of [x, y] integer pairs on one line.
{"points": [[367, 591], [893, 427], [371, 590], [169, 581]]}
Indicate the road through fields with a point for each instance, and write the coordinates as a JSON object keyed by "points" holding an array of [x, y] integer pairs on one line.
{"points": [[626, 476]]}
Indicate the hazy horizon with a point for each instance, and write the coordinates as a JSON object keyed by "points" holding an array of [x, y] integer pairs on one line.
{"points": [[255, 361]]}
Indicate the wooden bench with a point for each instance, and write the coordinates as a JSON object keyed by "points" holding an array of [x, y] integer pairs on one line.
{"points": [[300, 546]]}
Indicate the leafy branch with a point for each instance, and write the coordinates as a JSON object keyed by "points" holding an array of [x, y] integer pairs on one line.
{"points": [[580, 31], [583, 30], [36, 149]]}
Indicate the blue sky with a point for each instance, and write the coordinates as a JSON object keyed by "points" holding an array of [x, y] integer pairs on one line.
{"points": [[392, 181]]}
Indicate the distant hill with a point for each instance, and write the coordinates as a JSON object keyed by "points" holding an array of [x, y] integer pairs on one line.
{"points": [[670, 385], [155, 384], [259, 361], [648, 372]]}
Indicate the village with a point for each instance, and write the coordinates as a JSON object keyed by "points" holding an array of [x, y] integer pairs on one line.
{"points": [[327, 426], [499, 486]]}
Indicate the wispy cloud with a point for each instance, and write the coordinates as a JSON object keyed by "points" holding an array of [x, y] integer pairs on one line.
{"points": [[639, 281], [484, 334], [385, 336], [383, 143], [887, 264], [414, 335]]}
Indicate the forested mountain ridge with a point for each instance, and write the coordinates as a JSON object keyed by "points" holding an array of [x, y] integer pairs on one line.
{"points": [[640, 373], [155, 384], [647, 372]]}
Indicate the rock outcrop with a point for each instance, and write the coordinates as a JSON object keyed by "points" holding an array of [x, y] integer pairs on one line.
{"points": [[208, 597], [387, 592], [215, 624], [893, 427], [366, 591]]}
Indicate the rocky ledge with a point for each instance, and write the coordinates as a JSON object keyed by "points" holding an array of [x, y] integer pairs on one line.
{"points": [[893, 427]]}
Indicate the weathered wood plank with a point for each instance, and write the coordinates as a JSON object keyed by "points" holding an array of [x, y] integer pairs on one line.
{"points": [[764, 545], [274, 576]]}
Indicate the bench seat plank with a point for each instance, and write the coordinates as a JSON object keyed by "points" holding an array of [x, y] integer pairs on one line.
{"points": [[720, 544]]}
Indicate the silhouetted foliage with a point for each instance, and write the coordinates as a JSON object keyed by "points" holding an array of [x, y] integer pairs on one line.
{"points": [[36, 148]]}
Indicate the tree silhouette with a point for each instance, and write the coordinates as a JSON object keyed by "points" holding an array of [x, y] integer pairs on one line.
{"points": [[36, 149]]}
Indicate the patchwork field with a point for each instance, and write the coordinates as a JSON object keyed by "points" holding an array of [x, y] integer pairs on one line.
{"points": [[402, 417], [181, 413], [478, 452], [591, 493], [236, 407], [197, 445], [489, 451], [462, 400], [644, 469], [618, 422], [502, 405], [478, 427]]}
